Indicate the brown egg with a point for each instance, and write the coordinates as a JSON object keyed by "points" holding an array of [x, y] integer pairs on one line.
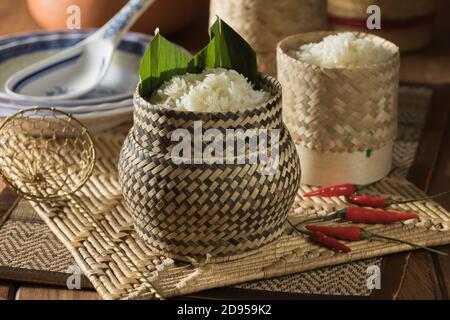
{"points": [[168, 15]]}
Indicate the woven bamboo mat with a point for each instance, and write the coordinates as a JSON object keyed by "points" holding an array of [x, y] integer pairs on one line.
{"points": [[27, 243], [291, 254]]}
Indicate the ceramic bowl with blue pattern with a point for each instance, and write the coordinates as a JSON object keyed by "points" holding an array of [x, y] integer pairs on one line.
{"points": [[112, 99]]}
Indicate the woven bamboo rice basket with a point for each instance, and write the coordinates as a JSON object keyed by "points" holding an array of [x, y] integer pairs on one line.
{"points": [[206, 211], [405, 23], [343, 120], [263, 23]]}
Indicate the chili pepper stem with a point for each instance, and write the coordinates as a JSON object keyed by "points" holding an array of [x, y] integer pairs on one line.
{"points": [[360, 187], [366, 234], [306, 232], [337, 215], [392, 201]]}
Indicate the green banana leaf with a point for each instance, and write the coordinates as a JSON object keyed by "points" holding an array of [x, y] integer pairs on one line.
{"points": [[226, 49], [162, 60]]}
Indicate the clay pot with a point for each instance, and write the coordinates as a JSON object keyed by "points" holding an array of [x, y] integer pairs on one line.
{"points": [[408, 24], [168, 15]]}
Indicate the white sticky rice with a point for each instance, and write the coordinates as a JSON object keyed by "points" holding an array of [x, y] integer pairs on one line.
{"points": [[213, 90], [343, 50]]}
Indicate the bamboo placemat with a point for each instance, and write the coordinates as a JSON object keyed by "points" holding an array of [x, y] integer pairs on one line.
{"points": [[108, 275], [292, 253]]}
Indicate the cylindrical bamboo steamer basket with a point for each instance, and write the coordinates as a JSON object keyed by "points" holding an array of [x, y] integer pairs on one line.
{"points": [[195, 211], [263, 23], [344, 121], [408, 24]]}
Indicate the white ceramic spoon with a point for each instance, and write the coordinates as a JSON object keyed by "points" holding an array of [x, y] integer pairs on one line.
{"points": [[75, 71]]}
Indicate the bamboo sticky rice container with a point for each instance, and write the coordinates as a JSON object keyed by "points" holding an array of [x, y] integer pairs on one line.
{"points": [[408, 24], [206, 211], [343, 120], [263, 23]]}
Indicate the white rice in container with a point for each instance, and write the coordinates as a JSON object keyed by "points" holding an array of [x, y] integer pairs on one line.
{"points": [[213, 90], [343, 50]]}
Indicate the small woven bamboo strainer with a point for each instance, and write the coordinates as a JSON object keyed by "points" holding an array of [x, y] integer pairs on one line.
{"points": [[47, 155]]}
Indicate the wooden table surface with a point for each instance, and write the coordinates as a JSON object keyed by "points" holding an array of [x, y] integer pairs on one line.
{"points": [[414, 275]]}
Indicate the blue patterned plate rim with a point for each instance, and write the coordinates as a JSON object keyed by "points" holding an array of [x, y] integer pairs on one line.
{"points": [[134, 43]]}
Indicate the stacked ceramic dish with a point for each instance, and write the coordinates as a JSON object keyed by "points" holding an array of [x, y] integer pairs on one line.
{"points": [[105, 107]]}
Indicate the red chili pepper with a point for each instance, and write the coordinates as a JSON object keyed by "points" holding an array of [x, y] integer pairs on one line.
{"points": [[369, 201], [371, 216], [346, 189], [365, 215], [323, 239], [343, 233], [329, 242], [380, 202], [357, 233]]}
